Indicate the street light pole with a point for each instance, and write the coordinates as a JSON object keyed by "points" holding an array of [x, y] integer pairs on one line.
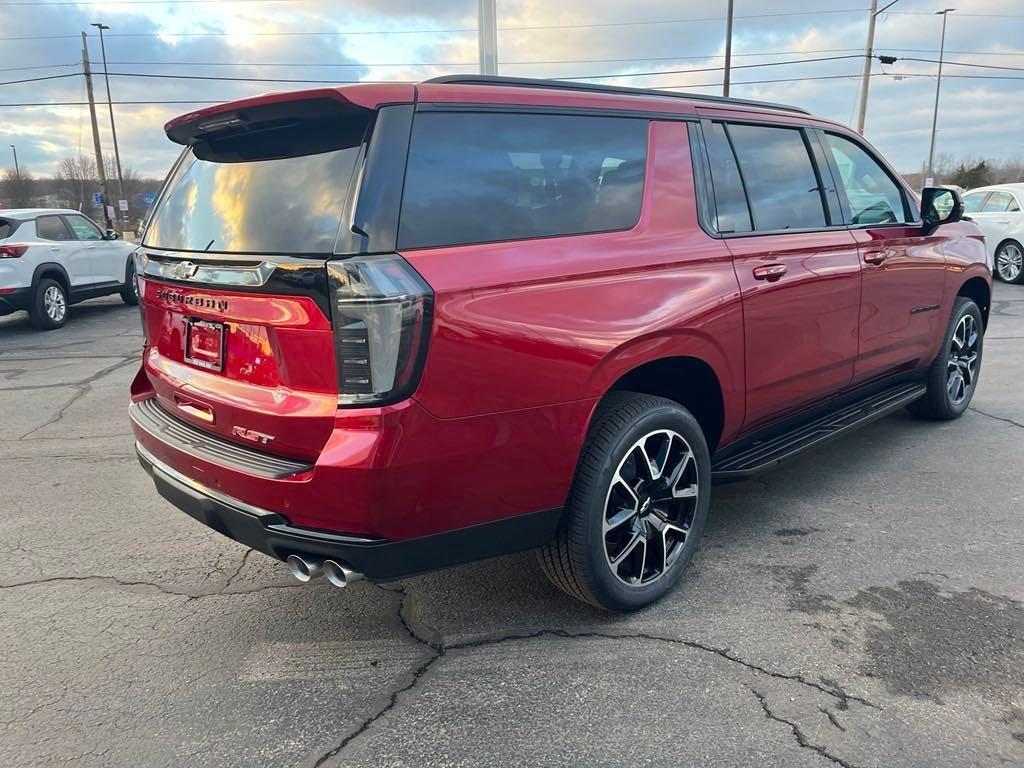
{"points": [[110, 106], [487, 36], [17, 169], [938, 86]]}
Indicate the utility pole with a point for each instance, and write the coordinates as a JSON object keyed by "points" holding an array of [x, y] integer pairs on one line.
{"points": [[728, 49], [869, 53], [938, 86], [110, 106], [866, 76], [487, 32], [17, 168], [95, 129]]}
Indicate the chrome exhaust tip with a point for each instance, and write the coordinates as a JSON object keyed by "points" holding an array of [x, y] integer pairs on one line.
{"points": [[304, 570], [340, 575]]}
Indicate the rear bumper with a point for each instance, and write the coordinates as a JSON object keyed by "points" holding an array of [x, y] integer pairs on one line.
{"points": [[18, 298], [378, 559]]}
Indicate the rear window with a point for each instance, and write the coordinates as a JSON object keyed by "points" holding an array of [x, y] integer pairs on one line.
{"points": [[244, 196], [475, 178], [52, 228]]}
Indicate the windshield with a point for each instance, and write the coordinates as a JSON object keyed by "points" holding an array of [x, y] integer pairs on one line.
{"points": [[279, 205]]}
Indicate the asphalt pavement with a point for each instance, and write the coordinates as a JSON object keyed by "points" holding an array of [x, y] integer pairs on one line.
{"points": [[858, 607]]}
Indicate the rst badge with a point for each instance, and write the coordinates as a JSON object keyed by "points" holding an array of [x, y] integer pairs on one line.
{"points": [[251, 435]]}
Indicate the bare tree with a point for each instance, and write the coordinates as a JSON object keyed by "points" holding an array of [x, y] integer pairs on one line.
{"points": [[17, 189], [76, 181]]}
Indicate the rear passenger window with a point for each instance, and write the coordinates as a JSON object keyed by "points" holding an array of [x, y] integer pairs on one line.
{"points": [[730, 202], [474, 178], [52, 228], [5, 229], [781, 184], [872, 195], [997, 202]]}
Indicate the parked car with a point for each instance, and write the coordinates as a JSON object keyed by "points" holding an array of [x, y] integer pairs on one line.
{"points": [[52, 258], [997, 212], [391, 328]]}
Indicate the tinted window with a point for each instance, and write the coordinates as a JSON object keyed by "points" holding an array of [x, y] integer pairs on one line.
{"points": [[872, 197], [730, 203], [780, 181], [997, 201], [5, 229], [84, 229], [1014, 205], [475, 178], [278, 205], [52, 228]]}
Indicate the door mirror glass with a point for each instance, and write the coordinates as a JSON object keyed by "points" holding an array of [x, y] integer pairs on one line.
{"points": [[112, 234], [940, 206]]}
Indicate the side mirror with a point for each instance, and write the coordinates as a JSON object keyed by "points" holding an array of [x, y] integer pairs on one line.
{"points": [[939, 206], [112, 234]]}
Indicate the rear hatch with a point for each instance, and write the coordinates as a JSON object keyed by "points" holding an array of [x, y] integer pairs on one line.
{"points": [[262, 313]]}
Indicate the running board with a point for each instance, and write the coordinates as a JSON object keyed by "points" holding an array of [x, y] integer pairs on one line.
{"points": [[765, 454]]}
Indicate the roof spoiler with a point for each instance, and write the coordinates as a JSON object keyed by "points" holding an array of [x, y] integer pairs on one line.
{"points": [[269, 108]]}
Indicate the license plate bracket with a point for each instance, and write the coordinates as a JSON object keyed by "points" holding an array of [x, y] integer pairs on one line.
{"points": [[204, 343]]}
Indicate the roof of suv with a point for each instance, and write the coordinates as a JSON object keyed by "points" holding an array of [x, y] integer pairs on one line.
{"points": [[31, 213], [463, 89]]}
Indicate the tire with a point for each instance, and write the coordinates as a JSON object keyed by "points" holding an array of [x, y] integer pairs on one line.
{"points": [[49, 308], [1009, 262], [579, 559], [130, 292], [960, 355]]}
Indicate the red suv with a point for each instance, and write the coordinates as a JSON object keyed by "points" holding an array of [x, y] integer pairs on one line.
{"points": [[391, 328]]}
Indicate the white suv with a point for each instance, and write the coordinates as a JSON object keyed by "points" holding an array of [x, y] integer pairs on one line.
{"points": [[52, 258]]}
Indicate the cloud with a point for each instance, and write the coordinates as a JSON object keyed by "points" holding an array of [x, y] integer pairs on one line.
{"points": [[977, 117]]}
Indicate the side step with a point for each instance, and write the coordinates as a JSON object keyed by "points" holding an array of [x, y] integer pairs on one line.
{"points": [[765, 454]]}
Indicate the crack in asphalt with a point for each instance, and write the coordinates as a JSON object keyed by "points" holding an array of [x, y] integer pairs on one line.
{"points": [[82, 388], [798, 734], [115, 581], [997, 418], [439, 650]]}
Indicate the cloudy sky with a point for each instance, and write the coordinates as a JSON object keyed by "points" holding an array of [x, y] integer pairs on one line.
{"points": [[344, 40]]}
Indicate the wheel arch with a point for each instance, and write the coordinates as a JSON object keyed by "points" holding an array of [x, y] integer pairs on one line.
{"points": [[689, 381], [54, 271], [980, 292]]}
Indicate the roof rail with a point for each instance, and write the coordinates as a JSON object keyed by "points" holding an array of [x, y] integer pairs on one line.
{"points": [[565, 85]]}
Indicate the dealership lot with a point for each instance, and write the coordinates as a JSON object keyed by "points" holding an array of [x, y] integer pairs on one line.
{"points": [[859, 607]]}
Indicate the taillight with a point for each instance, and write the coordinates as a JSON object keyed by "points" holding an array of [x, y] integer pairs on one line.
{"points": [[12, 251], [381, 314], [139, 266]]}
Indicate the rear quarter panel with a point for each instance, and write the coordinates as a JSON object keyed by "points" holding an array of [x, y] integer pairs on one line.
{"points": [[533, 323]]}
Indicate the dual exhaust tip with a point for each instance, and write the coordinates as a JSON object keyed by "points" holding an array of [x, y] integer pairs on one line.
{"points": [[306, 570]]}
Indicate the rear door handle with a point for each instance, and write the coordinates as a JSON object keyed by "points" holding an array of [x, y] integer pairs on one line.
{"points": [[770, 272], [1002, 221], [55, 248], [874, 257]]}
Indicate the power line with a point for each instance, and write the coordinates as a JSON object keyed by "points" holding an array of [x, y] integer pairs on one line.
{"points": [[38, 79], [961, 64], [711, 69], [40, 66], [473, 63]]}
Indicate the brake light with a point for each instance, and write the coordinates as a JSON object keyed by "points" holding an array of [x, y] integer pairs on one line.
{"points": [[381, 314], [12, 251], [140, 265]]}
